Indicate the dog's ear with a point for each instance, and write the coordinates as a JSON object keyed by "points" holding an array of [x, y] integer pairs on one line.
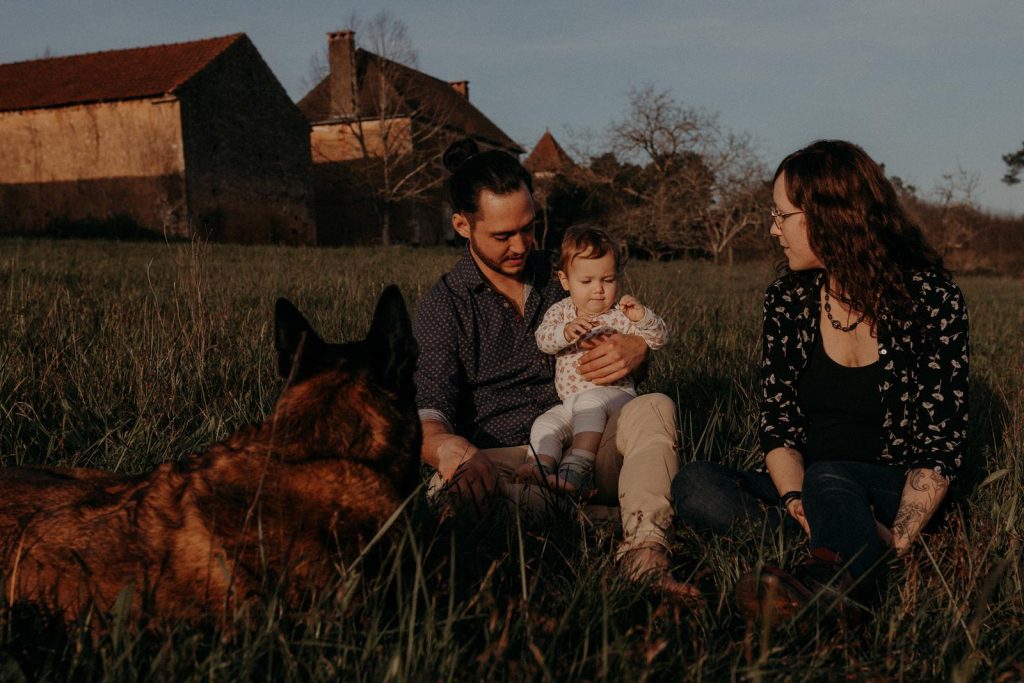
{"points": [[295, 340], [391, 345]]}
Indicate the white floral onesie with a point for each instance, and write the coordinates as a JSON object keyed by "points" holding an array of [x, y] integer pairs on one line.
{"points": [[585, 406]]}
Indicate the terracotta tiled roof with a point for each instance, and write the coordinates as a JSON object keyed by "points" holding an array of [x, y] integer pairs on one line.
{"points": [[548, 156], [424, 95], [106, 76]]}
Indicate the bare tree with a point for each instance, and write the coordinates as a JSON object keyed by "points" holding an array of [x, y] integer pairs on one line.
{"points": [[317, 69], [401, 124], [739, 194], [679, 181], [956, 197], [646, 177], [385, 35]]}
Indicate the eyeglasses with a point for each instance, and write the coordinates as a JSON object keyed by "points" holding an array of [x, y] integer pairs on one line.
{"points": [[778, 216]]}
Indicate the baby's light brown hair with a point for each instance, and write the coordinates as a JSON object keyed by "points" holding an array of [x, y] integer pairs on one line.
{"points": [[588, 241]]}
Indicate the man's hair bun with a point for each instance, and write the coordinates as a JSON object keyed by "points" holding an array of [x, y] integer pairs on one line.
{"points": [[458, 153], [472, 171]]}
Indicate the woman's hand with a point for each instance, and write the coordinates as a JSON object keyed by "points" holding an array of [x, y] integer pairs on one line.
{"points": [[786, 468], [795, 508], [611, 356]]}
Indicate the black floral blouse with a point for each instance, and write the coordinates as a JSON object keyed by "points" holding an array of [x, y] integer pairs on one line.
{"points": [[924, 376]]}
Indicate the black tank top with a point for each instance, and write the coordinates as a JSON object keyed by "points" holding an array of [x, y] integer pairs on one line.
{"points": [[843, 408]]}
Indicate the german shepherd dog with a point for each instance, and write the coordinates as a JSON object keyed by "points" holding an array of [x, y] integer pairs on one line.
{"points": [[275, 504]]}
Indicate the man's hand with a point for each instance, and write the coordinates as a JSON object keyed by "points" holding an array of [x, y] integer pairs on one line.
{"points": [[472, 475], [460, 463], [611, 356], [452, 451], [633, 309], [577, 328], [475, 479]]}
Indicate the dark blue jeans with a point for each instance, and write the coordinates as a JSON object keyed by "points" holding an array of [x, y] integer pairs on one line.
{"points": [[841, 500]]}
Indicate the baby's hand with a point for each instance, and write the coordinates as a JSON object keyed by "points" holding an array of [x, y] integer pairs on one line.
{"points": [[633, 309], [577, 328]]}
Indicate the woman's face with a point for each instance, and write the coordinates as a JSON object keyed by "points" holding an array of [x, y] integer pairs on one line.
{"points": [[791, 231]]}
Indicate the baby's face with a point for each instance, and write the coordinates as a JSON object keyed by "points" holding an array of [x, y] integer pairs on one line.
{"points": [[592, 283]]}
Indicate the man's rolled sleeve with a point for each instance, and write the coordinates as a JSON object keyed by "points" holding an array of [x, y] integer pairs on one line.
{"points": [[431, 415]]}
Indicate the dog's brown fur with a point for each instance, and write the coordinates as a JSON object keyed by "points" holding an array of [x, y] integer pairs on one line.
{"points": [[272, 505]]}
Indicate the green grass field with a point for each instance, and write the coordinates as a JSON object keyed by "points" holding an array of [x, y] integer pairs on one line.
{"points": [[122, 356]]}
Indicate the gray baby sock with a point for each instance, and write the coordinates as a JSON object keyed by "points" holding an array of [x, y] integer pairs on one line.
{"points": [[577, 470]]}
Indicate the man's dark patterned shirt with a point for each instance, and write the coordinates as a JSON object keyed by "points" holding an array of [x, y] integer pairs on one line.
{"points": [[479, 366]]}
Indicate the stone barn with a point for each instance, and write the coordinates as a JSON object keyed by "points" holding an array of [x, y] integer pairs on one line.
{"points": [[379, 129], [189, 140]]}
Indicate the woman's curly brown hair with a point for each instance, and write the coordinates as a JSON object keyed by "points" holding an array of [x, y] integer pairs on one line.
{"points": [[856, 226]]}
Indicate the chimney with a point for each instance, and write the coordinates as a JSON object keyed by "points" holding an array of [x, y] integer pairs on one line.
{"points": [[341, 57], [461, 87]]}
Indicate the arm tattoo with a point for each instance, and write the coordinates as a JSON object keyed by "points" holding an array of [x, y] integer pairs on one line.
{"points": [[928, 480], [922, 494], [910, 517]]}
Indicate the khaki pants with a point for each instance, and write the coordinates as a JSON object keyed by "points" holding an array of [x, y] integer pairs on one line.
{"points": [[636, 463]]}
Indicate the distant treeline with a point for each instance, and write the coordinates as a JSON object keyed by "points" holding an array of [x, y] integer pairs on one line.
{"points": [[671, 182], [971, 239], [707, 223]]}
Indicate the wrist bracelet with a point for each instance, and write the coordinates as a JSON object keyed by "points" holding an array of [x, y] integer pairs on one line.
{"points": [[786, 498]]}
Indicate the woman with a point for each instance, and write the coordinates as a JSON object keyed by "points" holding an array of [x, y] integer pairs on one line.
{"points": [[863, 384]]}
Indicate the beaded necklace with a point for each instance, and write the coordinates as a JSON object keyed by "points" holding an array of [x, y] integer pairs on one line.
{"points": [[835, 323]]}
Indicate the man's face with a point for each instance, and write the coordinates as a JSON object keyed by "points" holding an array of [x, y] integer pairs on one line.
{"points": [[501, 232]]}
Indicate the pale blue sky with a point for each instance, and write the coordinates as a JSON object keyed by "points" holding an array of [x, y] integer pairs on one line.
{"points": [[924, 86]]}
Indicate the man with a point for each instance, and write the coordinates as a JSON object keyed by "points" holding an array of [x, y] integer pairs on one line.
{"points": [[481, 380]]}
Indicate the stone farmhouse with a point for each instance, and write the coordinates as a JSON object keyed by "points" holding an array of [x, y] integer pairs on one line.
{"points": [[379, 129], [195, 139]]}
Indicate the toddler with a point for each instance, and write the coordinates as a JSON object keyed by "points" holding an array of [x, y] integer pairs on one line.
{"points": [[588, 268]]}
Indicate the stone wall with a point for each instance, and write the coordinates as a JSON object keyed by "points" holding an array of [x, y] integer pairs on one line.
{"points": [[247, 153], [342, 179], [93, 163], [341, 141]]}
